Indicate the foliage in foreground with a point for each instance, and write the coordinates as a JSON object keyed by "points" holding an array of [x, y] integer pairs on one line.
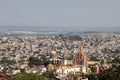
{"points": [[26, 76], [110, 74]]}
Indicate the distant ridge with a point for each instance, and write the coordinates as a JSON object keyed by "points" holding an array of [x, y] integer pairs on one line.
{"points": [[60, 28]]}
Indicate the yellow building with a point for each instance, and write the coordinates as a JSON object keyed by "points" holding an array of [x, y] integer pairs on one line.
{"points": [[93, 62]]}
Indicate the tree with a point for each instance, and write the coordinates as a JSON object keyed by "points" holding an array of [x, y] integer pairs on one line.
{"points": [[94, 59], [110, 74], [34, 61], [5, 61], [116, 60], [26, 76], [50, 74]]}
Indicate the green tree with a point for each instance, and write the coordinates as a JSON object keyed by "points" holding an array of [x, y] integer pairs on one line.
{"points": [[94, 59], [34, 61], [26, 76], [50, 74], [116, 60], [110, 74]]}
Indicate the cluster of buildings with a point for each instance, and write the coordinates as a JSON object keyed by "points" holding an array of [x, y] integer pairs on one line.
{"points": [[76, 54]]}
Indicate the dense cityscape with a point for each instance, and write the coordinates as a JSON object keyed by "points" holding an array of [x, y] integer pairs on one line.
{"points": [[59, 39], [66, 56]]}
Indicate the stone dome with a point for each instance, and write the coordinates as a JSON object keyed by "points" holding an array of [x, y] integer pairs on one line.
{"points": [[50, 67], [53, 53]]}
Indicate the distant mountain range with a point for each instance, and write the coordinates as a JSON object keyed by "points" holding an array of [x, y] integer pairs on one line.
{"points": [[59, 28]]}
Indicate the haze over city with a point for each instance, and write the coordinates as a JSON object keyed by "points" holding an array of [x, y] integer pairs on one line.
{"points": [[68, 15]]}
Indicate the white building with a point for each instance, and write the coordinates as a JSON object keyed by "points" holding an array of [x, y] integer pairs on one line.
{"points": [[63, 71]]}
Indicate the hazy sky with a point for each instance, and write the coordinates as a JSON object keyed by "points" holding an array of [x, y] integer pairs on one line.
{"points": [[60, 12]]}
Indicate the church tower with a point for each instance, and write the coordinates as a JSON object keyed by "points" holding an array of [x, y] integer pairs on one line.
{"points": [[80, 58]]}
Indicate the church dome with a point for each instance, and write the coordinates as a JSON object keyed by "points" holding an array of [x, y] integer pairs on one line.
{"points": [[50, 67], [53, 53]]}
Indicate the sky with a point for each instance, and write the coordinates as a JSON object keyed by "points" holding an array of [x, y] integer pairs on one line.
{"points": [[60, 12]]}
